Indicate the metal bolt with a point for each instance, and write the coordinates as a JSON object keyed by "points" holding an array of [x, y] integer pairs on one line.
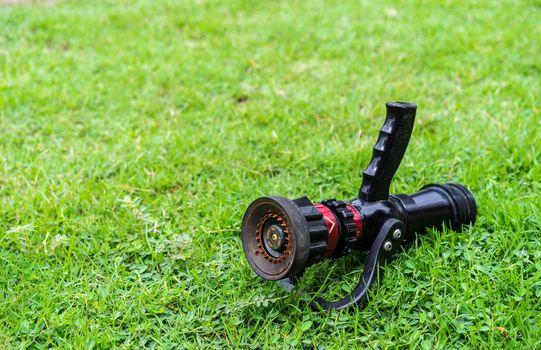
{"points": [[387, 246], [275, 237], [397, 234]]}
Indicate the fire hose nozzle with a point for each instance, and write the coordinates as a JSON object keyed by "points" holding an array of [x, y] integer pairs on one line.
{"points": [[282, 237]]}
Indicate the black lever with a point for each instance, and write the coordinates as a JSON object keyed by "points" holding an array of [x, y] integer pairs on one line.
{"points": [[387, 243]]}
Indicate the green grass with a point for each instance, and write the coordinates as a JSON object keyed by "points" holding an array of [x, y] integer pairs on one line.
{"points": [[133, 135]]}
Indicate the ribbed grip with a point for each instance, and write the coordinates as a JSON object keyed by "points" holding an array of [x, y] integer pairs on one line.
{"points": [[393, 140], [317, 230]]}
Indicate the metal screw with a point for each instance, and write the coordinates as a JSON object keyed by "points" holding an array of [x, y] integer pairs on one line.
{"points": [[387, 246], [397, 234]]}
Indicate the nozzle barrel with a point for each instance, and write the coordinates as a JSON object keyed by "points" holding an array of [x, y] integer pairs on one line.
{"points": [[436, 205]]}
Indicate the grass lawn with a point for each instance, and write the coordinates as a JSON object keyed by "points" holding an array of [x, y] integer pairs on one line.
{"points": [[134, 134]]}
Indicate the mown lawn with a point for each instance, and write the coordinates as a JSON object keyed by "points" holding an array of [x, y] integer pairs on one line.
{"points": [[133, 135]]}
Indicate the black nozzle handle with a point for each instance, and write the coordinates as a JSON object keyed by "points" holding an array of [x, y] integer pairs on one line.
{"points": [[393, 140]]}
